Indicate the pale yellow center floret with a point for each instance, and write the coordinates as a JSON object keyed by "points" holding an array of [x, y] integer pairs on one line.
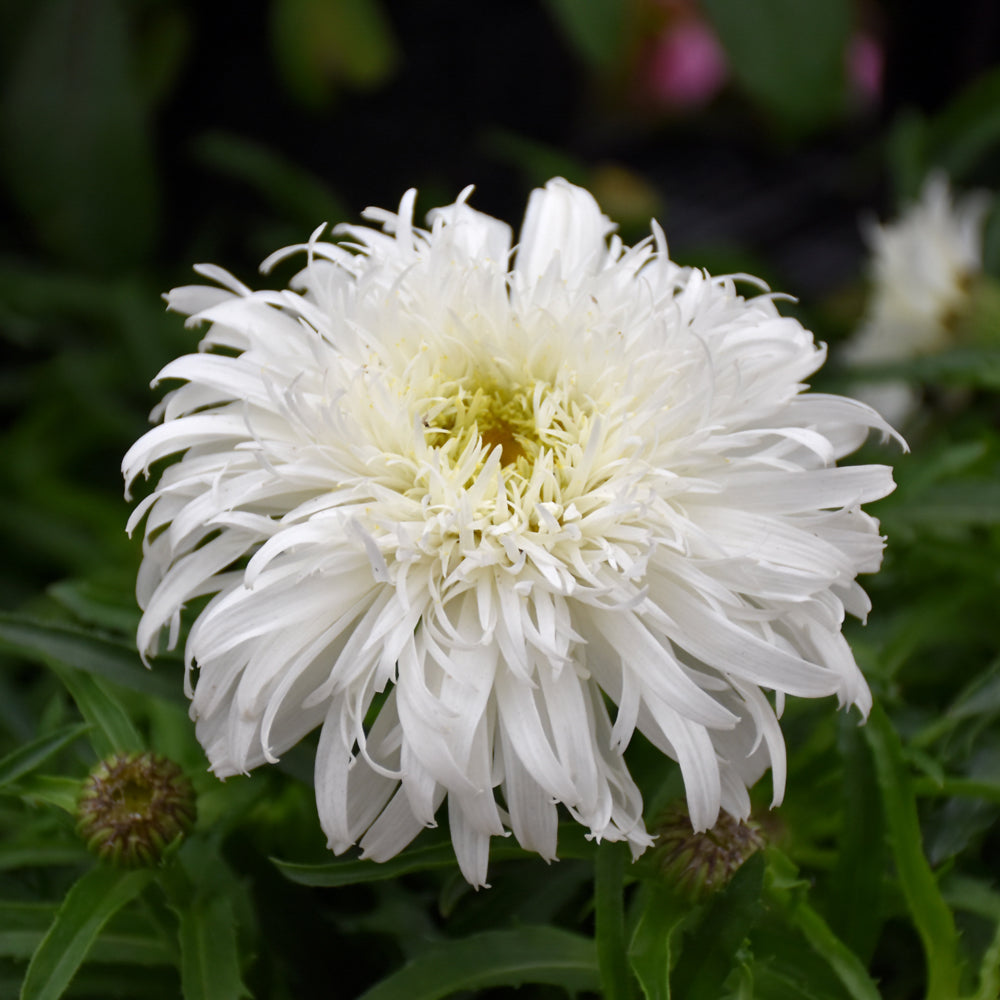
{"points": [[523, 420]]}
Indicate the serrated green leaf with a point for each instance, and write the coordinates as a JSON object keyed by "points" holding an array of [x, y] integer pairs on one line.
{"points": [[494, 958], [931, 916], [88, 906], [112, 659], [210, 966], [25, 759]]}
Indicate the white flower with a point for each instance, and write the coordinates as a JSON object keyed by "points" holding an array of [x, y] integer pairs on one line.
{"points": [[923, 266], [451, 512]]}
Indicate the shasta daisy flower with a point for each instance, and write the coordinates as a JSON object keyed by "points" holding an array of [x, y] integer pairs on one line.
{"points": [[480, 523], [923, 268]]}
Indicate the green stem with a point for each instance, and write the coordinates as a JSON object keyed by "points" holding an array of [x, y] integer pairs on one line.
{"points": [[609, 919]]}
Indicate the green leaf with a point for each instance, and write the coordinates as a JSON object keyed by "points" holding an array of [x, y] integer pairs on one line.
{"points": [[76, 151], [842, 960], [351, 871], [931, 916], [970, 366], [96, 605], [609, 920], [709, 952], [597, 29], [23, 925], [297, 195], [56, 791], [210, 967], [661, 915], [494, 958], [855, 909], [92, 652], [787, 55], [25, 759], [40, 855], [112, 730], [318, 44], [968, 502], [88, 906], [969, 128]]}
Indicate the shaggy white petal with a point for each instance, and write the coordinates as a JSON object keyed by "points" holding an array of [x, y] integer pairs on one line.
{"points": [[448, 510]]}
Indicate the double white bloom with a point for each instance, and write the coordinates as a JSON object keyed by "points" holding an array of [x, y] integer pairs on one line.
{"points": [[923, 267], [453, 511]]}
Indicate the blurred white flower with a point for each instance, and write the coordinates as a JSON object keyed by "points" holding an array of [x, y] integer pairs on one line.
{"points": [[453, 511], [923, 266]]}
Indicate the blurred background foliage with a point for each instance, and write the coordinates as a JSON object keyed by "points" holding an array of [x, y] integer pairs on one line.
{"points": [[138, 137]]}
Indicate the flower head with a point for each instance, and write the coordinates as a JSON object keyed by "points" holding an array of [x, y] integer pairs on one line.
{"points": [[923, 267], [481, 522], [699, 863], [133, 807]]}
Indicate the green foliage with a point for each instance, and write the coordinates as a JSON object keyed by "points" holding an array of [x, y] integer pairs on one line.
{"points": [[597, 29], [787, 55], [319, 44], [88, 906], [881, 875], [497, 958], [75, 130]]}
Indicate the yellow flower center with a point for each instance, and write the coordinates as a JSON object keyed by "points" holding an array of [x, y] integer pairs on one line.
{"points": [[490, 414]]}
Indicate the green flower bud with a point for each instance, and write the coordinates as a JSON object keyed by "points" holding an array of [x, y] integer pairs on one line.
{"points": [[699, 864], [133, 807]]}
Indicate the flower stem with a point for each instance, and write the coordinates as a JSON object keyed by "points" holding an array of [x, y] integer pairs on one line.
{"points": [[609, 919]]}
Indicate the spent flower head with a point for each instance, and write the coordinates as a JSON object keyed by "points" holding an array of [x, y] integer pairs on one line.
{"points": [[480, 522], [133, 807]]}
